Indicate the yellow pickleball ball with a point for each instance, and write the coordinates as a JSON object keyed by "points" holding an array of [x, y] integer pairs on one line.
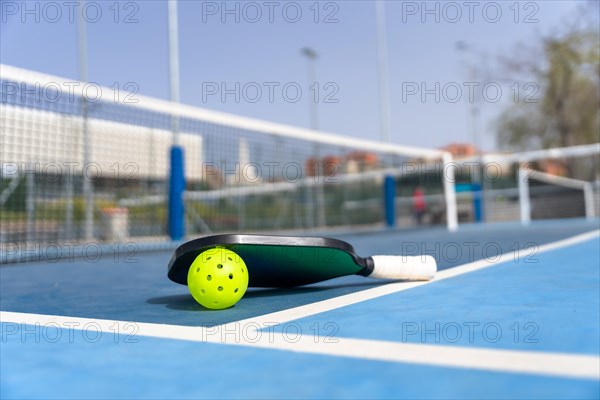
{"points": [[218, 278]]}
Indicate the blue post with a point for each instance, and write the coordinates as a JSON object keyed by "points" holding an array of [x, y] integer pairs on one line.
{"points": [[176, 189], [477, 202], [390, 201]]}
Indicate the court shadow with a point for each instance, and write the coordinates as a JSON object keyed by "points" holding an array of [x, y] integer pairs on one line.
{"points": [[185, 302], [335, 289], [181, 302], [289, 297]]}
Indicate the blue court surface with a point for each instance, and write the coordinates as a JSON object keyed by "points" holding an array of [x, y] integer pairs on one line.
{"points": [[514, 312]]}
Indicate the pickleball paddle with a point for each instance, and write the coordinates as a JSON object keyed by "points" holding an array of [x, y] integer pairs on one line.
{"points": [[286, 261]]}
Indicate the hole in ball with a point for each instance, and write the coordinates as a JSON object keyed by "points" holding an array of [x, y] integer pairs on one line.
{"points": [[203, 291], [219, 266], [220, 288], [236, 290], [230, 276], [208, 258], [230, 259], [208, 277], [198, 269]]}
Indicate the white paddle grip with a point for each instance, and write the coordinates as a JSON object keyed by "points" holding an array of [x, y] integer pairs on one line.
{"points": [[416, 268]]}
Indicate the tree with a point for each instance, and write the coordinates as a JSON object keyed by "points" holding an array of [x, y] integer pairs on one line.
{"points": [[567, 70]]}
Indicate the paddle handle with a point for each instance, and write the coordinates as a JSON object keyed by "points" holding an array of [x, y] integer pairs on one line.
{"points": [[414, 268]]}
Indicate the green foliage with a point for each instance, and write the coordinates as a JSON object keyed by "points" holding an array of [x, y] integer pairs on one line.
{"points": [[567, 113], [16, 201]]}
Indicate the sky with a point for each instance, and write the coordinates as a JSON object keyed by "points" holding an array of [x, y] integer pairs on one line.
{"points": [[244, 57]]}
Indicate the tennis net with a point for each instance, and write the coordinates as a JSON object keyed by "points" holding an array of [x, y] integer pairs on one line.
{"points": [[547, 196], [541, 184], [85, 163]]}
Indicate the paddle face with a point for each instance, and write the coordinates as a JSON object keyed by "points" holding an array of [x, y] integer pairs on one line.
{"points": [[276, 261]]}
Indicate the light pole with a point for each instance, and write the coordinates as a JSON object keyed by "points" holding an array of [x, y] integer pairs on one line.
{"points": [[480, 186], [88, 189], [382, 62], [174, 64], [464, 48], [312, 55]]}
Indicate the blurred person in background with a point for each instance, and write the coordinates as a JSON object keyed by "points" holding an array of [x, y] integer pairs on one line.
{"points": [[419, 205]]}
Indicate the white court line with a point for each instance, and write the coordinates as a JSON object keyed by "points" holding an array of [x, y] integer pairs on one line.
{"points": [[247, 333], [511, 361]]}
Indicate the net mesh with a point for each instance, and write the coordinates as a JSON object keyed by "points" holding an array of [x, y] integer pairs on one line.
{"points": [[555, 196], [558, 183], [96, 168]]}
